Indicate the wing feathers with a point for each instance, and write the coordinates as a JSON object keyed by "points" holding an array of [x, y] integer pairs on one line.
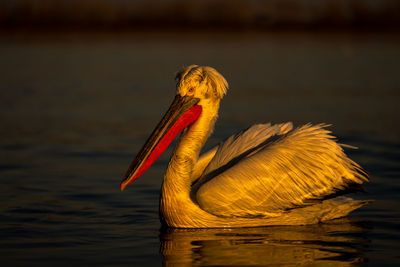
{"points": [[298, 166], [244, 144]]}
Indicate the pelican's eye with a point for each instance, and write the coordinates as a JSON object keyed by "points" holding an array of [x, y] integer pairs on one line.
{"points": [[190, 91]]}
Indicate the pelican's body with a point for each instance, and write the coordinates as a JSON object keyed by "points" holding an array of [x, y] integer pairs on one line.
{"points": [[265, 175]]}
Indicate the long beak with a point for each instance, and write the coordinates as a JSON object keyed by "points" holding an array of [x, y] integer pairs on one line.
{"points": [[183, 112]]}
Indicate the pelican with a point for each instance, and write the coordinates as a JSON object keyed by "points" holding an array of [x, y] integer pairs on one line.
{"points": [[265, 175]]}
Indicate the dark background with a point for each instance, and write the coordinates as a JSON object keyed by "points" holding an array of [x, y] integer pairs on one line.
{"points": [[189, 15]]}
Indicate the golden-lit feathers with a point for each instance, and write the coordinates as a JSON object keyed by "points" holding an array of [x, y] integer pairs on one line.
{"points": [[210, 82], [267, 178], [266, 175]]}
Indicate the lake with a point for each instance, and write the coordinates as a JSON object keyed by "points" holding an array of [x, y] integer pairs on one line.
{"points": [[75, 110]]}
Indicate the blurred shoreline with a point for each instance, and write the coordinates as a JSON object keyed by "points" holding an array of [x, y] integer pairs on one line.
{"points": [[29, 17]]}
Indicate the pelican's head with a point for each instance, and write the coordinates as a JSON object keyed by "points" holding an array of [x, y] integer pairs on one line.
{"points": [[197, 88], [201, 82]]}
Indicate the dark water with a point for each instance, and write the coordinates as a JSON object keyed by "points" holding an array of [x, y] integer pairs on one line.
{"points": [[74, 113]]}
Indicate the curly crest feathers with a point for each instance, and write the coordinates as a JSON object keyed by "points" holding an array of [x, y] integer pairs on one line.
{"points": [[212, 79]]}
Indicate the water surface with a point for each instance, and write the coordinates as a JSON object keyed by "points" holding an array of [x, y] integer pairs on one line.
{"points": [[74, 113]]}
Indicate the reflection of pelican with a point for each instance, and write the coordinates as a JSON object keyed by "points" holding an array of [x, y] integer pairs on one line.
{"points": [[341, 243], [265, 175]]}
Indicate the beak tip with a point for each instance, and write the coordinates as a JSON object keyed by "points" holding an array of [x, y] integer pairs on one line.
{"points": [[123, 186]]}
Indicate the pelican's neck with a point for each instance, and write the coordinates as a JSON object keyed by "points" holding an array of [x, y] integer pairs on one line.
{"points": [[187, 150], [176, 206]]}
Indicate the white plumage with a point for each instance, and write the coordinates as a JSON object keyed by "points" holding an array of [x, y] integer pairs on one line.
{"points": [[265, 175]]}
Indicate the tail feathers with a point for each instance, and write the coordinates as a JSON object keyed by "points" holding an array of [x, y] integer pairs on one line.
{"points": [[340, 207]]}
